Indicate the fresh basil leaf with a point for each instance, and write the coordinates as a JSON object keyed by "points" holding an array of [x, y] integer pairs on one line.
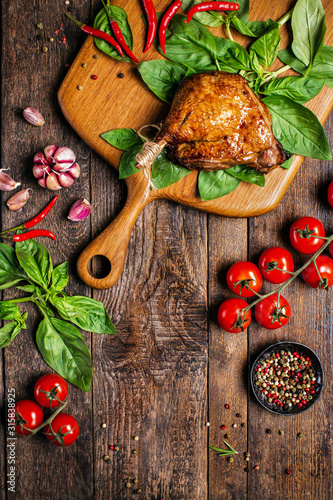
{"points": [[127, 162], [64, 349], [102, 23], [242, 27], [243, 12], [231, 56], [165, 172], [89, 314], [9, 311], [255, 65], [287, 163], [297, 128], [59, 277], [35, 260], [190, 44], [10, 270], [258, 28], [308, 26], [211, 19], [8, 332], [162, 77], [299, 89], [213, 185], [322, 67], [247, 174], [122, 138], [267, 46], [27, 288]]}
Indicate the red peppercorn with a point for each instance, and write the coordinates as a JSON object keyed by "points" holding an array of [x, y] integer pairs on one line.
{"points": [[287, 471], [299, 405], [269, 395], [313, 392], [111, 447], [227, 406], [294, 353], [313, 382], [307, 358], [94, 77], [277, 355], [303, 402], [223, 427]]}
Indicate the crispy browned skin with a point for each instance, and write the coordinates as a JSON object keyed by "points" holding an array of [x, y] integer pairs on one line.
{"points": [[216, 122]]}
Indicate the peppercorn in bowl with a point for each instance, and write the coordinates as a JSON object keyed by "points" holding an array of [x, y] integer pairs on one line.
{"points": [[287, 378]]}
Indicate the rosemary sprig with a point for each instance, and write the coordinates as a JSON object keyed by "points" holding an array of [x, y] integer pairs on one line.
{"points": [[224, 452]]}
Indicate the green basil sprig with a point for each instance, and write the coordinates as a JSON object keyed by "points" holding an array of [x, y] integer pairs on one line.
{"points": [[59, 341]]}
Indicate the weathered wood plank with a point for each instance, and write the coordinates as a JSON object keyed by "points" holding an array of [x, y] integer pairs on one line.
{"points": [[30, 77], [3, 485], [227, 364], [308, 458]]}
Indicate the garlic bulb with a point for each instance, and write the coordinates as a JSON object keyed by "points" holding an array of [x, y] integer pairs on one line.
{"points": [[55, 167]]}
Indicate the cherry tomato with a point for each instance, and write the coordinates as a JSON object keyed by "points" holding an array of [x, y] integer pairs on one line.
{"points": [[330, 248], [272, 260], [50, 390], [65, 430], [325, 268], [270, 314], [230, 315], [330, 194], [29, 416], [243, 277], [303, 234]]}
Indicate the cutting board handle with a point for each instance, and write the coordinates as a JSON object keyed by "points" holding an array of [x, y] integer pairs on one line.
{"points": [[113, 242]]}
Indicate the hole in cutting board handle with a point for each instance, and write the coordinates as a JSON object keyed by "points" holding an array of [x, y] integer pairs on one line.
{"points": [[99, 266]]}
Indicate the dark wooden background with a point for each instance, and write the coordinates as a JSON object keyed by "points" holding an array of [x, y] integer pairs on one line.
{"points": [[171, 368]]}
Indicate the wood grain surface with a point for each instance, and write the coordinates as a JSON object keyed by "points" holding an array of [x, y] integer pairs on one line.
{"points": [[110, 102], [170, 369]]}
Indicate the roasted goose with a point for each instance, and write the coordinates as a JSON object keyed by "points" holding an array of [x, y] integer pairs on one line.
{"points": [[216, 122]]}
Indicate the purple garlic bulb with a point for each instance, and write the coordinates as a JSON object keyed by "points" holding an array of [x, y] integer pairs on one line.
{"points": [[55, 167]]}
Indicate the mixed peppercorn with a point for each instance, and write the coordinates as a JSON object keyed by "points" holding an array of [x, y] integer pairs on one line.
{"points": [[287, 379]]}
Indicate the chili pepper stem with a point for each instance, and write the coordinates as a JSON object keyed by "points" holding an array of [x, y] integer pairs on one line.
{"points": [[12, 229], [75, 20], [48, 421], [295, 274]]}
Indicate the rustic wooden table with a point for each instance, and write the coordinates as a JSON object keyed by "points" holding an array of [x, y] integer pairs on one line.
{"points": [[171, 369]]}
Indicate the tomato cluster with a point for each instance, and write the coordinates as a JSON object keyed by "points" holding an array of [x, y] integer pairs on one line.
{"points": [[50, 391], [276, 265]]}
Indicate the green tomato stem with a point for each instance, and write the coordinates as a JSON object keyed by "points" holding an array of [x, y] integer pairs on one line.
{"points": [[48, 421], [295, 274]]}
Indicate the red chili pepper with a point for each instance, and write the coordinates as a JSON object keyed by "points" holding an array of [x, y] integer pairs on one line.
{"points": [[98, 34], [167, 16], [152, 22], [33, 234], [202, 7], [118, 34], [33, 222]]}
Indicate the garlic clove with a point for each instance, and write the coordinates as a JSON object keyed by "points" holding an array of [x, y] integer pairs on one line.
{"points": [[18, 200], [64, 155], [40, 170], [62, 167], [6, 182], [49, 152], [75, 170], [52, 182], [80, 210], [33, 116], [42, 181], [65, 179], [40, 158]]}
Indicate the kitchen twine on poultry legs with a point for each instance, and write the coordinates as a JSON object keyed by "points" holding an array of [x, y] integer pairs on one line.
{"points": [[149, 153]]}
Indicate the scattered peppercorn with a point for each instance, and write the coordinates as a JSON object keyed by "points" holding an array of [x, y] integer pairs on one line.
{"points": [[227, 436], [136, 438], [66, 2], [281, 432], [287, 471], [136, 481], [247, 454], [128, 485], [40, 26], [79, 87], [106, 458], [238, 415], [83, 65], [95, 56], [230, 459], [268, 431], [45, 49], [111, 447], [256, 467], [243, 424], [300, 435], [51, 39], [223, 427], [94, 77], [227, 406], [207, 424], [234, 426], [103, 426], [139, 491], [116, 448], [120, 75]]}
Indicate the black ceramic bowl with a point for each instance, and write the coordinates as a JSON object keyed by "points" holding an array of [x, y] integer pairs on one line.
{"points": [[301, 350]]}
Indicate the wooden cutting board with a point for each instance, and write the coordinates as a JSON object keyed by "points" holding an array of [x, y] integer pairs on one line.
{"points": [[111, 102]]}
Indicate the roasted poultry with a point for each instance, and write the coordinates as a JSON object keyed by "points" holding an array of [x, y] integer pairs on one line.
{"points": [[216, 122]]}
